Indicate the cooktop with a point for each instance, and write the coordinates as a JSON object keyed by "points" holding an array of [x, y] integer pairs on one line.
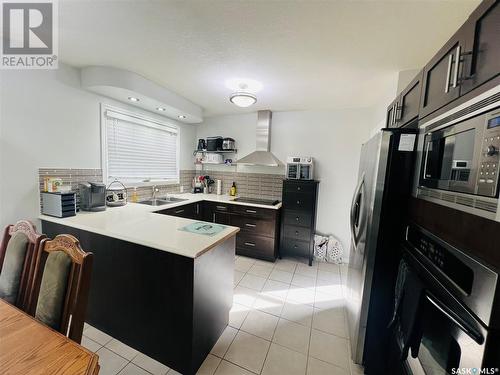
{"points": [[267, 202]]}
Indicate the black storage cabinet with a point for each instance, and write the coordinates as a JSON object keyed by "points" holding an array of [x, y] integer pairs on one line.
{"points": [[298, 224]]}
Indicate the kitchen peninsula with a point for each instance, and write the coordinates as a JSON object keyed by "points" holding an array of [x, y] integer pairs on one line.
{"points": [[156, 287]]}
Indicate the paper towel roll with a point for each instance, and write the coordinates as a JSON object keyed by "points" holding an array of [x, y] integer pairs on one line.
{"points": [[219, 187]]}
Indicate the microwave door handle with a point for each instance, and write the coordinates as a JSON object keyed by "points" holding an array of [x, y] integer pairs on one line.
{"points": [[470, 331], [427, 147]]}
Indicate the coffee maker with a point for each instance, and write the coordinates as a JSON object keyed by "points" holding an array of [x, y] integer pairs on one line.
{"points": [[92, 196]]}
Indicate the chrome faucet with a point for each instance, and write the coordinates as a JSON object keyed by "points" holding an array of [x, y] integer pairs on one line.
{"points": [[155, 190]]}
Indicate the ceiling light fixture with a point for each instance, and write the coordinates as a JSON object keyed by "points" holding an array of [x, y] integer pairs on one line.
{"points": [[242, 99], [161, 109], [182, 117], [133, 99]]}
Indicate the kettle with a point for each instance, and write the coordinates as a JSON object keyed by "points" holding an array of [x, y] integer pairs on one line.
{"points": [[202, 145]]}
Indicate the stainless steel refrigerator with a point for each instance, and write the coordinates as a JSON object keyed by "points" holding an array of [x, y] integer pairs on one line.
{"points": [[377, 218]]}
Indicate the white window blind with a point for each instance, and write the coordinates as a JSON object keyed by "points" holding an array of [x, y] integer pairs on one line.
{"points": [[138, 149]]}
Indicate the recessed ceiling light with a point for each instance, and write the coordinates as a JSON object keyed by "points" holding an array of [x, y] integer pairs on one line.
{"points": [[161, 109], [133, 99], [182, 117], [243, 99]]}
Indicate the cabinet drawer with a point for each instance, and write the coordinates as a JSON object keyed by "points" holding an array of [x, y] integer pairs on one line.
{"points": [[303, 219], [292, 246], [299, 187], [299, 201], [220, 207], [255, 245], [255, 212], [297, 233], [253, 225]]}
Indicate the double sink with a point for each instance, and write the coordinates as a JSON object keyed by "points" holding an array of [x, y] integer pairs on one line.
{"points": [[161, 201]]}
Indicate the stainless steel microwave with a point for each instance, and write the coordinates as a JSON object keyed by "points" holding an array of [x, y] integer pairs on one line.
{"points": [[459, 157]]}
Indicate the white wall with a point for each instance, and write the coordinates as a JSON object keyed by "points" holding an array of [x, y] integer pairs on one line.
{"points": [[333, 138], [48, 121]]}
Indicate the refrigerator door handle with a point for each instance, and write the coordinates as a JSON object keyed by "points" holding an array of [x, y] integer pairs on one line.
{"points": [[356, 207]]}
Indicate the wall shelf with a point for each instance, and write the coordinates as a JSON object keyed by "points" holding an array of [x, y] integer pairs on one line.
{"points": [[233, 151]]}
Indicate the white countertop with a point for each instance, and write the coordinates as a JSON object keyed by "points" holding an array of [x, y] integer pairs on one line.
{"points": [[137, 223]]}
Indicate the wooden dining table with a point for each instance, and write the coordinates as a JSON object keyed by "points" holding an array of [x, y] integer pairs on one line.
{"points": [[29, 347]]}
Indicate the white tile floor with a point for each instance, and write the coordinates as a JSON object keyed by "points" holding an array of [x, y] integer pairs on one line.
{"points": [[287, 318]]}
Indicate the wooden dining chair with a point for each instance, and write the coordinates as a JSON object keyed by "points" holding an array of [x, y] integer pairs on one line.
{"points": [[61, 285], [18, 253]]}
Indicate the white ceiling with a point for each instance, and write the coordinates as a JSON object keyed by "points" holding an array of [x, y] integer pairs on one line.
{"points": [[307, 54]]}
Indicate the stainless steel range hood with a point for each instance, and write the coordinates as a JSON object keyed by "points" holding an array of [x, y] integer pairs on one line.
{"points": [[262, 156]]}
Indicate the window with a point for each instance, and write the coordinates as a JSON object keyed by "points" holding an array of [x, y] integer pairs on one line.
{"points": [[138, 149]]}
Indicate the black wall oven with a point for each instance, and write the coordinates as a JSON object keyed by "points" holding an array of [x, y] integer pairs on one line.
{"points": [[455, 317]]}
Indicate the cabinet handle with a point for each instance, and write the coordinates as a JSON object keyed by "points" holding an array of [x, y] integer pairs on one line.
{"points": [[298, 202], [457, 65], [179, 211], [250, 225], [298, 188], [222, 208], [250, 244], [197, 209], [397, 111], [251, 211], [297, 218], [393, 115], [294, 246], [213, 217], [448, 74], [297, 232]]}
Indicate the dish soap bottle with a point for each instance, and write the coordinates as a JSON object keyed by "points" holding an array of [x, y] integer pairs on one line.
{"points": [[134, 195], [232, 191]]}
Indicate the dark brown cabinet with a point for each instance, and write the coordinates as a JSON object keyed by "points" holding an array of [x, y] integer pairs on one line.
{"points": [[481, 58], [259, 227], [468, 60], [189, 211], [465, 63], [409, 101], [441, 75], [216, 213], [404, 109], [258, 237], [391, 110], [299, 218]]}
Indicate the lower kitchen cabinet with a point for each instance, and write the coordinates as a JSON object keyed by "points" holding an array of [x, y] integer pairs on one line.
{"points": [[216, 212], [259, 234], [258, 237], [260, 227], [189, 211]]}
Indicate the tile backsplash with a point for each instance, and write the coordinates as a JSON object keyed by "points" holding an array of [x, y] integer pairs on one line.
{"points": [[254, 185]]}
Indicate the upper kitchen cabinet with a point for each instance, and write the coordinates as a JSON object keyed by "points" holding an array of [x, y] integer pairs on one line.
{"points": [[441, 75], [481, 59], [390, 122], [405, 107], [469, 59], [409, 102]]}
